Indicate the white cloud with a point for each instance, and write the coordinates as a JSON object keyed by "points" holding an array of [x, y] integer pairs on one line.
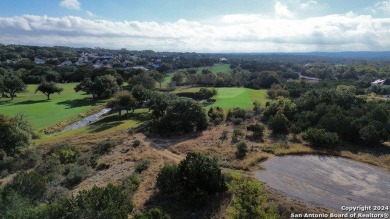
{"points": [[382, 6], [281, 10], [307, 4], [90, 14], [71, 4], [231, 33]]}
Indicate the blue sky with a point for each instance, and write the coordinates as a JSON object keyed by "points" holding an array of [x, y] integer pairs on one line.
{"points": [[201, 26]]}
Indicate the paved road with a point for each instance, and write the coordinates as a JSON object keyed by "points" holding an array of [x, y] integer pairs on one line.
{"points": [[329, 182]]}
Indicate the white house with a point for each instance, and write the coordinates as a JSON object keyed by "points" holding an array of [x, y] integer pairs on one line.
{"points": [[66, 63], [378, 82], [38, 61]]}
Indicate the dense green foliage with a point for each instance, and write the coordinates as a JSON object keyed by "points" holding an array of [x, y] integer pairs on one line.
{"points": [[242, 150], [321, 138], [216, 115], [249, 200], [101, 87], [15, 133], [195, 178], [181, 116]]}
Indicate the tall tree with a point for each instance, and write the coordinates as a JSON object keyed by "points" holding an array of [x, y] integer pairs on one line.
{"points": [[49, 88], [12, 85]]}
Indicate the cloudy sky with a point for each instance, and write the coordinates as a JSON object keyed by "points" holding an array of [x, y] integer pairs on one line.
{"points": [[200, 25]]}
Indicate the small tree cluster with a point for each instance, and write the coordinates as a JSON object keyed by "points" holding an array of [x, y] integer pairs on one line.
{"points": [[216, 115], [196, 177], [101, 87], [257, 130], [321, 138]]}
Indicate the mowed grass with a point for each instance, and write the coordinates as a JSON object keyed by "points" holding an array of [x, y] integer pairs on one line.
{"points": [[230, 97], [215, 69], [225, 68], [43, 113]]}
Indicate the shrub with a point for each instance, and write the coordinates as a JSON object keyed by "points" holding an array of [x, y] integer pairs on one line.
{"points": [[242, 150], [196, 178], [142, 166], [249, 200], [167, 179], [105, 146], [130, 184], [66, 153], [75, 175], [15, 132], [31, 185], [216, 115], [257, 130], [321, 138], [154, 213], [200, 175], [107, 202], [236, 113], [279, 123], [136, 143], [237, 121], [102, 166], [237, 135]]}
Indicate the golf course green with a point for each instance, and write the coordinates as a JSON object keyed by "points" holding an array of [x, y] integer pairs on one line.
{"points": [[230, 97], [43, 113]]}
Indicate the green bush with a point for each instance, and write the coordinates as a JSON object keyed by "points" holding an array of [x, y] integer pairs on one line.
{"points": [[237, 135], [130, 184], [66, 153], [249, 200], [216, 115], [15, 133], [107, 202], [105, 146], [141, 166], [257, 130], [195, 178], [75, 175], [136, 143], [236, 113], [167, 179], [279, 123], [242, 150], [31, 185], [153, 213], [321, 138]]}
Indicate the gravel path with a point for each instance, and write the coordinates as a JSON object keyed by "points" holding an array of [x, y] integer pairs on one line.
{"points": [[329, 182], [87, 120]]}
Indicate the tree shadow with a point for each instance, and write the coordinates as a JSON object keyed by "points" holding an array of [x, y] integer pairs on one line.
{"points": [[31, 102], [179, 208], [78, 103], [114, 120]]}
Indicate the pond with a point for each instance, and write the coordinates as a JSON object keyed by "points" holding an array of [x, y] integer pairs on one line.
{"points": [[329, 182]]}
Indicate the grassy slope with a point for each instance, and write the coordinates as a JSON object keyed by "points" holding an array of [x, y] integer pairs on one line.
{"points": [[43, 113], [229, 97], [108, 125]]}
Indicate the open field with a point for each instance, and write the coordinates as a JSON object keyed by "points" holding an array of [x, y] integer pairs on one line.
{"points": [[44, 113], [229, 97]]}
